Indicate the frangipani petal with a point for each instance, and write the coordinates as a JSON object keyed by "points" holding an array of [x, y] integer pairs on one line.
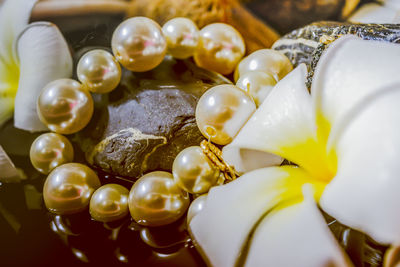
{"points": [[295, 236], [364, 194], [222, 230], [350, 70], [6, 102], [8, 171], [44, 57], [14, 16], [282, 125], [376, 13]]}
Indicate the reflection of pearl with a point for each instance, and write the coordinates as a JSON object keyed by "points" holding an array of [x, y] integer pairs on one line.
{"points": [[99, 71], [265, 60], [193, 171], [258, 84], [64, 106], [196, 207], [109, 203], [139, 44], [182, 37], [68, 188], [220, 48], [222, 111], [49, 151], [156, 200]]}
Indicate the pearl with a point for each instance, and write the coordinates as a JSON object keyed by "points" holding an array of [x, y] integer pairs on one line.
{"points": [[139, 44], [64, 106], [69, 187], [155, 199], [265, 60], [193, 171], [109, 203], [49, 151], [258, 84], [220, 48], [222, 111], [196, 207], [182, 37], [99, 71]]}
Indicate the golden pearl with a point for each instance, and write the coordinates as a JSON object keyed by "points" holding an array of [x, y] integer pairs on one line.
{"points": [[69, 187], [182, 37], [193, 171], [258, 84], [222, 111], [220, 48], [109, 203], [265, 60], [64, 106], [155, 199], [196, 207], [49, 151], [139, 44], [99, 71]]}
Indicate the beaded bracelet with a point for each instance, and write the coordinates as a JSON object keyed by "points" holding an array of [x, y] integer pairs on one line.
{"points": [[140, 44]]}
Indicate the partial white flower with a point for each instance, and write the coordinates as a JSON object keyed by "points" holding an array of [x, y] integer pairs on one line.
{"points": [[387, 11], [30, 57], [345, 139]]}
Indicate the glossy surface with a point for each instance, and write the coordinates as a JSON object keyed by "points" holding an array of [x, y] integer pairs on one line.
{"points": [[220, 48], [193, 171], [222, 111], [49, 151], [109, 203], [99, 71], [265, 60], [155, 199], [182, 37], [64, 106], [195, 207], [69, 187], [258, 84], [139, 44]]}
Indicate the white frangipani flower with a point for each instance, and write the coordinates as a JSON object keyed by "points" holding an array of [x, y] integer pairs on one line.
{"points": [[30, 57], [345, 139]]}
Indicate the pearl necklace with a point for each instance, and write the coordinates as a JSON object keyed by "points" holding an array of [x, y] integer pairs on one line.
{"points": [[140, 44]]}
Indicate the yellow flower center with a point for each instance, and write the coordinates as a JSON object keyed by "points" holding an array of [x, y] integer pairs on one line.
{"points": [[316, 165]]}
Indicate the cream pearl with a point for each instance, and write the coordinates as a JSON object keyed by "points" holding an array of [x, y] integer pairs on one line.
{"points": [[49, 151], [69, 187], [109, 203], [64, 106], [182, 37], [220, 48], [265, 60], [222, 111], [258, 84], [139, 44], [196, 207], [99, 71], [193, 171], [155, 199]]}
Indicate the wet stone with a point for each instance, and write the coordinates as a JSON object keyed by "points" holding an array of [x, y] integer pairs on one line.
{"points": [[143, 124]]}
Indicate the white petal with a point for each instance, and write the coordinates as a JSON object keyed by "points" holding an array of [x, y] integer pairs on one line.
{"points": [[295, 236], [8, 172], [376, 13], [282, 125], [6, 102], [14, 16], [348, 71], [365, 191], [222, 228], [44, 57]]}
